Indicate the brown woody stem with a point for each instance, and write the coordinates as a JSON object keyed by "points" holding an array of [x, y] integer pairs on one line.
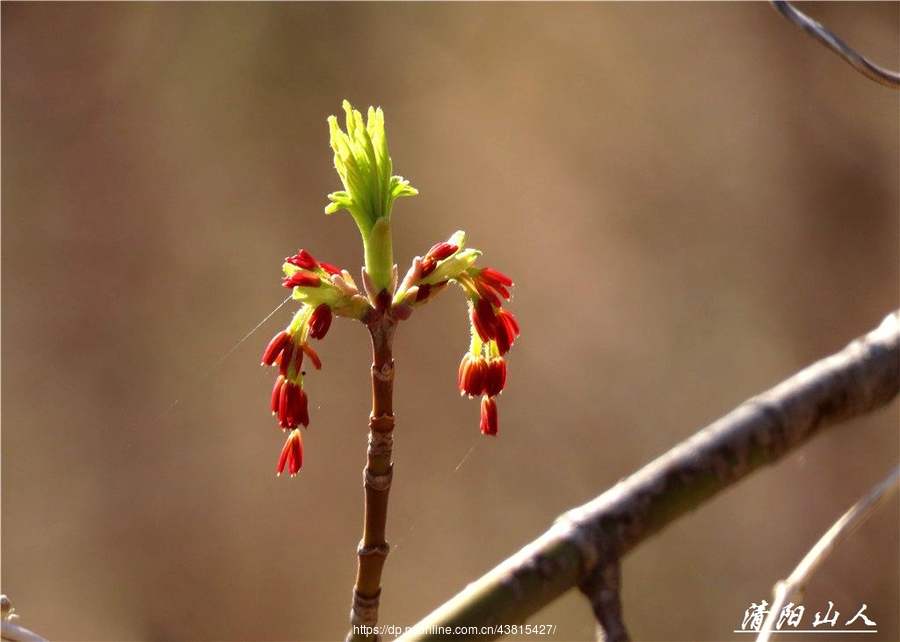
{"points": [[373, 548]]}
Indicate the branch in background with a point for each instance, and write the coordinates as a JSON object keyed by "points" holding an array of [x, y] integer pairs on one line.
{"points": [[13, 632], [867, 68], [795, 584], [603, 590], [861, 378]]}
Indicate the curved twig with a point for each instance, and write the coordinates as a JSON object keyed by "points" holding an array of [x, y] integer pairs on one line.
{"points": [[859, 62], [795, 583], [860, 378], [11, 632], [603, 590]]}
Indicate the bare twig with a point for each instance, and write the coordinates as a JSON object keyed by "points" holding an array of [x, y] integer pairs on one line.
{"points": [[862, 377], [791, 588], [10, 632], [603, 589], [373, 548], [863, 65]]}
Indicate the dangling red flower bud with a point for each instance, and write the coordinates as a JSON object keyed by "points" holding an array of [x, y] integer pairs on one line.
{"points": [[495, 381], [320, 321], [488, 416], [291, 405], [291, 454], [473, 372]]}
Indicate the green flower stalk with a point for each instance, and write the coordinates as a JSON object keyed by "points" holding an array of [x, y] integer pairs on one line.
{"points": [[362, 161], [325, 291]]}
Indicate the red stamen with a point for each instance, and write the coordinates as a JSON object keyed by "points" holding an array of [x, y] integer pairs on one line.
{"points": [[276, 393], [428, 265], [287, 355], [487, 293], [276, 345], [484, 319], [302, 260], [320, 321], [493, 277], [507, 330], [311, 353], [441, 251], [302, 279], [303, 408], [283, 419], [328, 267]]}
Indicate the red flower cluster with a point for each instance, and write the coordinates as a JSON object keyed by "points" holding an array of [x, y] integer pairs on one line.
{"points": [[287, 349], [489, 319], [310, 273], [487, 377], [482, 370]]}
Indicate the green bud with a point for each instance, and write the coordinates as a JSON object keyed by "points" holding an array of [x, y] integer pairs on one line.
{"points": [[364, 166]]}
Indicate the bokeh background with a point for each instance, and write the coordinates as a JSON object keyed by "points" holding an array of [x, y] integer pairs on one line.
{"points": [[695, 200]]}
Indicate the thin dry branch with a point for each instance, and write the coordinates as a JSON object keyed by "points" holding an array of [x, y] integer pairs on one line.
{"points": [[819, 33], [795, 584], [373, 548], [11, 632], [603, 590], [862, 377]]}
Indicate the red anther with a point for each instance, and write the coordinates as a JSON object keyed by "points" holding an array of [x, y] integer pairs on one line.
{"points": [[320, 321], [488, 416], [284, 360], [441, 251], [302, 260], [484, 319], [507, 318], [276, 345], [423, 292], [302, 407], [507, 331], [495, 381], [501, 290], [311, 353], [328, 267], [487, 293], [283, 419], [428, 265], [276, 394], [291, 454], [302, 279], [494, 277]]}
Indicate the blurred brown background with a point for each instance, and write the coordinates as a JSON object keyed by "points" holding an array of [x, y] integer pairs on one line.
{"points": [[695, 200]]}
